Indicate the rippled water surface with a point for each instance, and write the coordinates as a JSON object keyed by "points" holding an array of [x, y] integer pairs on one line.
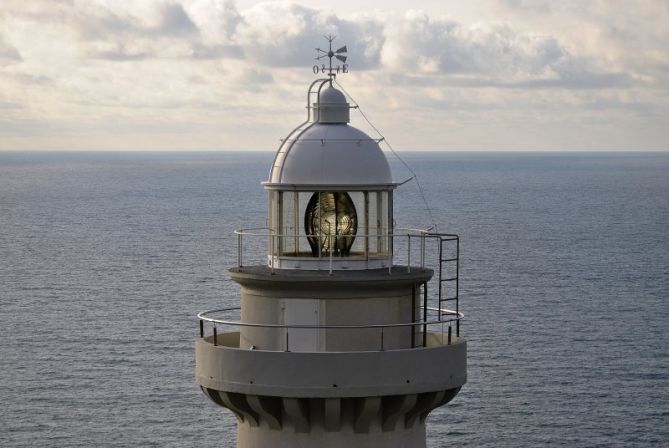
{"points": [[106, 258]]}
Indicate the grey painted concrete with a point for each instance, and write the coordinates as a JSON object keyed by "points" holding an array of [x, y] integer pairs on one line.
{"points": [[262, 436], [346, 298], [330, 374], [395, 420], [330, 388]]}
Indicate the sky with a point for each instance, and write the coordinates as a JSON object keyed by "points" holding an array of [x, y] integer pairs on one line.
{"points": [[431, 75]]}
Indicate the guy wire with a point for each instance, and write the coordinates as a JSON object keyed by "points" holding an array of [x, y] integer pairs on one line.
{"points": [[406, 165]]}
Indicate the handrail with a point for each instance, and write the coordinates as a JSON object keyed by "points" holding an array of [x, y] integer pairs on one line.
{"points": [[202, 316], [271, 232], [446, 284], [397, 234]]}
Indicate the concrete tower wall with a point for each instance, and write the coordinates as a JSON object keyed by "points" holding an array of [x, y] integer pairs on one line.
{"points": [[317, 299]]}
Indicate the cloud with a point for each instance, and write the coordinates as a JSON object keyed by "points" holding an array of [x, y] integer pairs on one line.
{"points": [[10, 105], [8, 53], [490, 54], [200, 51], [277, 34], [167, 62], [285, 35], [108, 21], [174, 21], [269, 34], [632, 39], [217, 20]]}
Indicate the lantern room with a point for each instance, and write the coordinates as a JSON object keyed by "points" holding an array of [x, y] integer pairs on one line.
{"points": [[330, 192]]}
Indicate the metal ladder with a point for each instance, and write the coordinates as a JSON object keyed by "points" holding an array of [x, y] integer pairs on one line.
{"points": [[444, 241]]}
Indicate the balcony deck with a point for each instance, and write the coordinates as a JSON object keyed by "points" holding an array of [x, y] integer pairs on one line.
{"points": [[226, 367]]}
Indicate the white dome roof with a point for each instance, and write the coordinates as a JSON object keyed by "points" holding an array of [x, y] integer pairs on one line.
{"points": [[332, 96], [330, 155], [331, 107]]}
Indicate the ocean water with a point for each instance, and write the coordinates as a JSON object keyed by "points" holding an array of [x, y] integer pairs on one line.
{"points": [[105, 259]]}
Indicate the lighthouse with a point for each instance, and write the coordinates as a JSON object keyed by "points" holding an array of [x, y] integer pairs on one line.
{"points": [[347, 334]]}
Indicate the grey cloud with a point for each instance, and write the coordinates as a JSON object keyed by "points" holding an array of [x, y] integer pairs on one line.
{"points": [[535, 6], [8, 53], [434, 50], [104, 24], [258, 77], [575, 81], [32, 80], [18, 127], [231, 18], [582, 80], [640, 107], [8, 105], [493, 55], [364, 41], [119, 54], [119, 35], [453, 48], [269, 36], [217, 51], [175, 21]]}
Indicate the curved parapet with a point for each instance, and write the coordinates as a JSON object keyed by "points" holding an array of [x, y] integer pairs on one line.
{"points": [[225, 367], [332, 399]]}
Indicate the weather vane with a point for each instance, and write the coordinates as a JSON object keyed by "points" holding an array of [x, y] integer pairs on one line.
{"points": [[339, 54]]}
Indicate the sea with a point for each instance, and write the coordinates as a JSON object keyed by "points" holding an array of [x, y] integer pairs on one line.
{"points": [[106, 258]]}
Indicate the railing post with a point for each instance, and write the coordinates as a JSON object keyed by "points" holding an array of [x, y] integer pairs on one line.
{"points": [[413, 316], [449, 334], [239, 249], [457, 326], [422, 251], [330, 257], [287, 349], [409, 253], [425, 314], [201, 328], [382, 348], [215, 336], [457, 282], [441, 273], [390, 253], [272, 239]]}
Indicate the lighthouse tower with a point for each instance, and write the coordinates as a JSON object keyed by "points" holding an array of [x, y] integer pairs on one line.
{"points": [[334, 344]]}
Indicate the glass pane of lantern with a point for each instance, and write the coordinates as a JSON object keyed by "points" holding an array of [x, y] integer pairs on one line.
{"points": [[372, 219], [288, 228], [271, 219], [382, 216], [358, 247], [305, 248]]}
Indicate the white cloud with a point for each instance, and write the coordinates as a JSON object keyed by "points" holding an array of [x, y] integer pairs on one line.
{"points": [[158, 64], [217, 20], [489, 54]]}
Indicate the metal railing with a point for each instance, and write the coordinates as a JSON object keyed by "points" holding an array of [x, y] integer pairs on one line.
{"points": [[447, 283], [400, 235], [273, 238], [445, 327]]}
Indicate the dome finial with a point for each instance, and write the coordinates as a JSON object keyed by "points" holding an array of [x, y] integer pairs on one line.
{"points": [[340, 54]]}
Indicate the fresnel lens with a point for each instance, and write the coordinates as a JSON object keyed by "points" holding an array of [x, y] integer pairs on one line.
{"points": [[331, 223]]}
